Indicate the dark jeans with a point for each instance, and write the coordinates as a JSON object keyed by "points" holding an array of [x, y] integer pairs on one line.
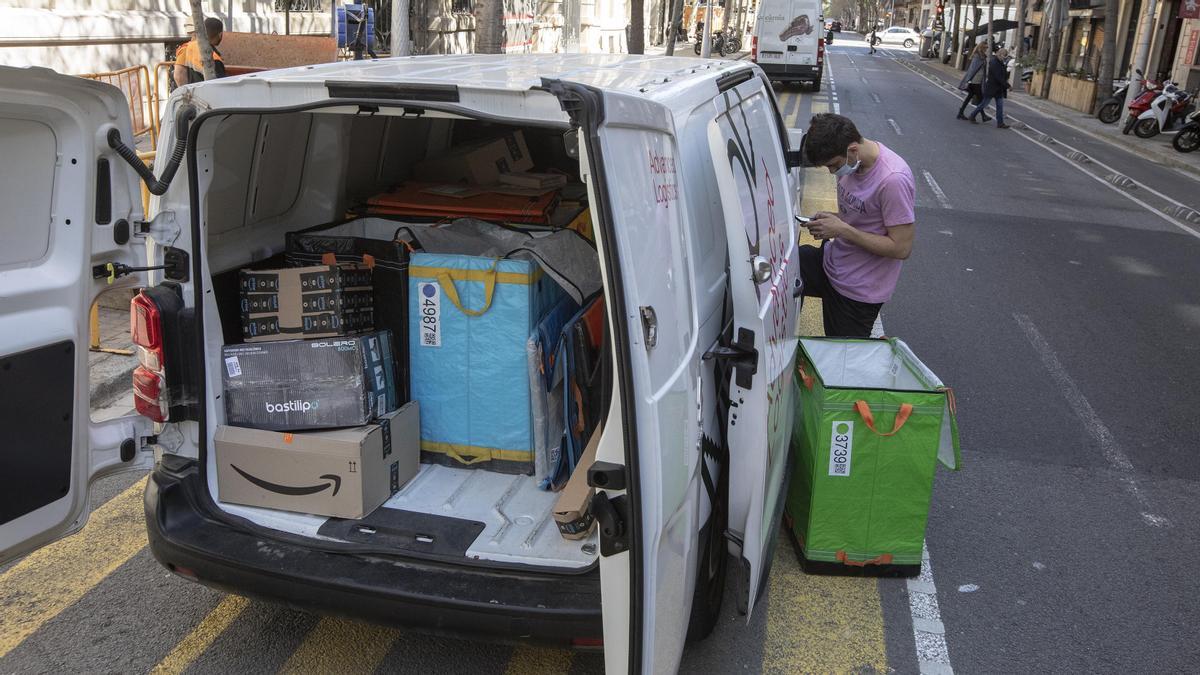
{"points": [[973, 97], [999, 108], [842, 316]]}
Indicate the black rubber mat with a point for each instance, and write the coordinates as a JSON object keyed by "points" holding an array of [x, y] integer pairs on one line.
{"points": [[394, 529]]}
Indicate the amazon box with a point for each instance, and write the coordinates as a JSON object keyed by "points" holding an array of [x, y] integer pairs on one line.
{"points": [[296, 385], [573, 510], [345, 473], [479, 164]]}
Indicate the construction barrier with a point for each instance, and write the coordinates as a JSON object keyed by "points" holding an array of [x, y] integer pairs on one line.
{"points": [[134, 82]]}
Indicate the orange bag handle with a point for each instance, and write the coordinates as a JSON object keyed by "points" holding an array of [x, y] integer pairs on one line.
{"points": [[805, 377], [864, 411], [885, 559]]}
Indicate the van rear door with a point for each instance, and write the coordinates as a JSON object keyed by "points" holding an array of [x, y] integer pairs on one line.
{"points": [[69, 203], [803, 30], [748, 158]]}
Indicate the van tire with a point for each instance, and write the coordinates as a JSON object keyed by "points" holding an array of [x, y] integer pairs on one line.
{"points": [[712, 562], [816, 85]]}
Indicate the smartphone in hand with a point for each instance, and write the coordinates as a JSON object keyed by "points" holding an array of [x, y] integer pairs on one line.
{"points": [[803, 221]]}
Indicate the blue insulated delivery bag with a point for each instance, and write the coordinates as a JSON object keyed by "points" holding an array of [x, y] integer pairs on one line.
{"points": [[470, 320]]}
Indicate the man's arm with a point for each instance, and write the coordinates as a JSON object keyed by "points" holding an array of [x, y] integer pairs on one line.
{"points": [[181, 76], [897, 243]]}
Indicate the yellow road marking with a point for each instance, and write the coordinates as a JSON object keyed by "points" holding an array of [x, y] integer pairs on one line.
{"points": [[202, 637], [535, 661], [54, 577], [820, 624], [341, 646]]}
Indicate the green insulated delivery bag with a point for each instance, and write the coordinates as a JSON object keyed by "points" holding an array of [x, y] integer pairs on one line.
{"points": [[872, 423]]}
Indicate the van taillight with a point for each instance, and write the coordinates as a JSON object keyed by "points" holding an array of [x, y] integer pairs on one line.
{"points": [[820, 51], [754, 48], [149, 378]]}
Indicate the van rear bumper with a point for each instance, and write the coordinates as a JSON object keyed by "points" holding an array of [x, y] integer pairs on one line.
{"points": [[445, 599], [778, 72]]}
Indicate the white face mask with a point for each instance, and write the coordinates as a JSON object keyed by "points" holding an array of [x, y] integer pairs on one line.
{"points": [[848, 168]]}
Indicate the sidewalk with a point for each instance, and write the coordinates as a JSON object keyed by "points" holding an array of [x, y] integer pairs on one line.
{"points": [[1157, 149], [110, 375]]}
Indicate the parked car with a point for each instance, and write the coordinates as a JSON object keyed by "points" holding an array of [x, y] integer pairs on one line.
{"points": [[700, 289], [898, 35], [835, 26]]}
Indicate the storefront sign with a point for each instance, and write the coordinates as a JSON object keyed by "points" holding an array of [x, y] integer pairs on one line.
{"points": [[1191, 52], [1189, 9]]}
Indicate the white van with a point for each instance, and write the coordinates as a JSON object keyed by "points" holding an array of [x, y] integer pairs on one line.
{"points": [[690, 180], [789, 41]]}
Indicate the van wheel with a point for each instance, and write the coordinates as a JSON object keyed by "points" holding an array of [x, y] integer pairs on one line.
{"points": [[816, 85], [712, 559]]}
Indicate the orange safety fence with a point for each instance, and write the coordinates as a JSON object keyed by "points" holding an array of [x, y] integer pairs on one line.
{"points": [[134, 82]]}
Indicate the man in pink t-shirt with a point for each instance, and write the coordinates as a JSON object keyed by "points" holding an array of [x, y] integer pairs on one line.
{"points": [[856, 269]]}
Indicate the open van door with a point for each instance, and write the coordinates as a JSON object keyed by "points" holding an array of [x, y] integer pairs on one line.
{"points": [[748, 158], [69, 203]]}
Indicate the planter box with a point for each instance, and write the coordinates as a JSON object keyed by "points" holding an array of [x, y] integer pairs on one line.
{"points": [[1067, 91]]}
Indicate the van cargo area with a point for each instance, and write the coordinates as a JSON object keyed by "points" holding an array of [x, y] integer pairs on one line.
{"points": [[425, 183]]}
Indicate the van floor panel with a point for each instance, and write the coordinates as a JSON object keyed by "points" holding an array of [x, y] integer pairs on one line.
{"points": [[517, 515], [518, 526], [406, 531]]}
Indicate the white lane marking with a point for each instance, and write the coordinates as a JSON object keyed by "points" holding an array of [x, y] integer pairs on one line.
{"points": [[895, 127], [876, 97], [1114, 188], [937, 190], [837, 107], [1096, 428], [929, 633]]}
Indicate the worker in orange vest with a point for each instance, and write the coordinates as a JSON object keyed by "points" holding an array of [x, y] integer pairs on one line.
{"points": [[188, 67]]}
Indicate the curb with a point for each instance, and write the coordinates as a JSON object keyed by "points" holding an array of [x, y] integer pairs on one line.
{"points": [[102, 392], [1161, 160]]}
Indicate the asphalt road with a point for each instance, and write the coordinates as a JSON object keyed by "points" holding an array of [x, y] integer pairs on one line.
{"points": [[1065, 316]]}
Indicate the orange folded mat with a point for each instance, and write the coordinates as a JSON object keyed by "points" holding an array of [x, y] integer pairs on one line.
{"points": [[414, 199]]}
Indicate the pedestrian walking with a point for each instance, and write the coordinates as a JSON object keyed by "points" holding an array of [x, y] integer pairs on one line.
{"points": [[361, 43], [871, 39], [855, 270], [972, 82], [995, 87]]}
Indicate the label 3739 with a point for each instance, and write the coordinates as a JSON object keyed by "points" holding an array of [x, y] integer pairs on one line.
{"points": [[841, 448]]}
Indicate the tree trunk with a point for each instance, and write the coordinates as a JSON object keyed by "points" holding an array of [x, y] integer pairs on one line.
{"points": [[676, 17], [1055, 49], [1019, 84], [401, 45], [489, 26], [657, 16], [637, 27], [206, 54], [1108, 51]]}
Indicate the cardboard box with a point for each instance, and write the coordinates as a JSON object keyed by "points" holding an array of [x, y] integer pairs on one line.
{"points": [[309, 384], [309, 302], [479, 164], [346, 473], [572, 511]]}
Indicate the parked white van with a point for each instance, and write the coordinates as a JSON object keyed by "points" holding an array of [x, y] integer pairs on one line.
{"points": [[789, 41], [690, 178]]}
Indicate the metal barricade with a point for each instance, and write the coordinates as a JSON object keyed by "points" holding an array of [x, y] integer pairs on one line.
{"points": [[134, 82]]}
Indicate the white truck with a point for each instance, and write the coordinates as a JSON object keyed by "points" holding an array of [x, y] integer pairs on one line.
{"points": [[789, 41]]}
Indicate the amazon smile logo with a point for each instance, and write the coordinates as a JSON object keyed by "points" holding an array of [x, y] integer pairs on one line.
{"points": [[290, 490]]}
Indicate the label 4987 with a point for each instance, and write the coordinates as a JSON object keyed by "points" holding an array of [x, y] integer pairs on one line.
{"points": [[429, 309]]}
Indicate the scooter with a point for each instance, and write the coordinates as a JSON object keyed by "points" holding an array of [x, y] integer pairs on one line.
{"points": [[1140, 105], [1172, 105], [1110, 108], [1188, 138]]}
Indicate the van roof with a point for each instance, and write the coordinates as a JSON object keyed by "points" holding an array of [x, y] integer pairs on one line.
{"points": [[660, 78]]}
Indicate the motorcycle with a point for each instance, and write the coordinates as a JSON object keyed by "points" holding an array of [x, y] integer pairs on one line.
{"points": [[1188, 138], [1172, 105], [1109, 110], [1140, 105], [721, 43]]}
